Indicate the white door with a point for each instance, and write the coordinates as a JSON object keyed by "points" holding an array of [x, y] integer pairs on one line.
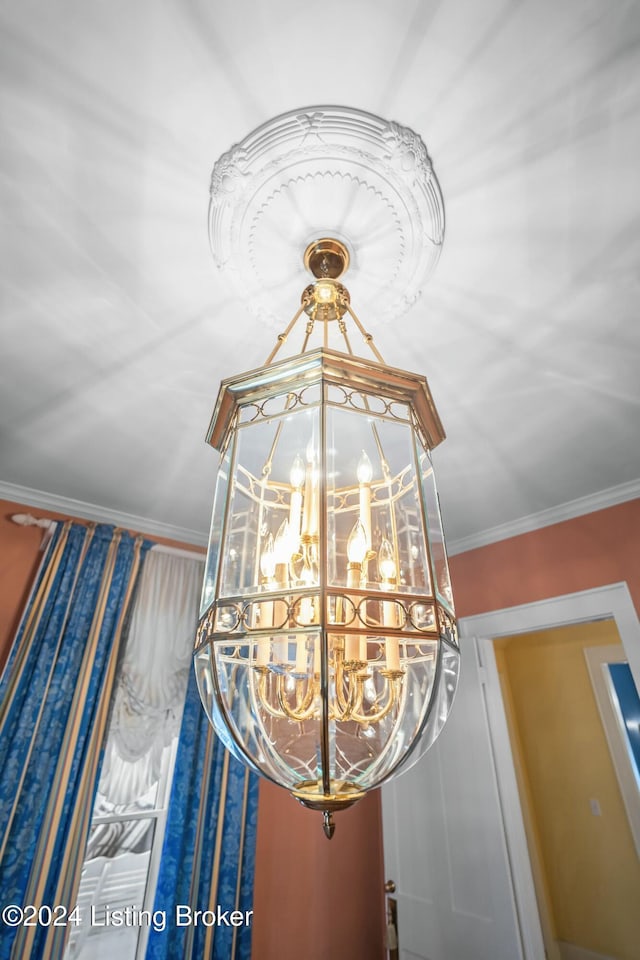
{"points": [[444, 841], [445, 820]]}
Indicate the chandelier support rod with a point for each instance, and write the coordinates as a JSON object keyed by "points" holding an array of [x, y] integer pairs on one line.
{"points": [[307, 334], [367, 337], [343, 330], [282, 337]]}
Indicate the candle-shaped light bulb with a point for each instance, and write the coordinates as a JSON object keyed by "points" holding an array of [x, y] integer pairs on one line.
{"points": [[364, 473], [296, 478], [296, 474], [387, 570], [307, 605], [364, 470], [311, 489], [357, 544], [268, 559], [281, 556], [282, 544], [310, 452], [266, 608], [356, 553], [386, 562]]}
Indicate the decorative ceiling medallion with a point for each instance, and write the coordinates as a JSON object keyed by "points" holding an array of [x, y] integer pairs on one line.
{"points": [[327, 171]]}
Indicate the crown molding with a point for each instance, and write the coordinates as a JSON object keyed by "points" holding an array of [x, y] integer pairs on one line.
{"points": [[92, 511], [534, 521], [546, 518]]}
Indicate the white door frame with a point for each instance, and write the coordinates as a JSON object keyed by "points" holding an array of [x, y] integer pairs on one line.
{"points": [[608, 602]]}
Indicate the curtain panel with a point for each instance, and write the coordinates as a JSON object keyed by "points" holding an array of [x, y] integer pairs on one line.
{"points": [[54, 704], [152, 677], [209, 848]]}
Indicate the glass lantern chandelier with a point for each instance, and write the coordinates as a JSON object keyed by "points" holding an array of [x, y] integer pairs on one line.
{"points": [[327, 653]]}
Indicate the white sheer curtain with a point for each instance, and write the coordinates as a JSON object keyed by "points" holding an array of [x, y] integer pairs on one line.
{"points": [[152, 677], [123, 851]]}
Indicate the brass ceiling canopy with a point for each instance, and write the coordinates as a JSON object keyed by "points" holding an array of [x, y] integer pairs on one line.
{"points": [[326, 258]]}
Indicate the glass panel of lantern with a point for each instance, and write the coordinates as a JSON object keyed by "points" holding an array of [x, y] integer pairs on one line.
{"points": [[326, 530], [435, 531]]}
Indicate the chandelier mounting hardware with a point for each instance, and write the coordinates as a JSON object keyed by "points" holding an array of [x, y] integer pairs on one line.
{"points": [[326, 258]]}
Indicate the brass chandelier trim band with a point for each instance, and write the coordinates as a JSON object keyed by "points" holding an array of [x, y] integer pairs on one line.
{"points": [[328, 367], [344, 796], [423, 616]]}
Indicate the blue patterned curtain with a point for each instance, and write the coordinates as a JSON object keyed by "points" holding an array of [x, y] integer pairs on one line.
{"points": [[209, 848], [54, 702]]}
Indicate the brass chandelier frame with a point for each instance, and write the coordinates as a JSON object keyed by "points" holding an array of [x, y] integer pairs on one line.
{"points": [[420, 622]]}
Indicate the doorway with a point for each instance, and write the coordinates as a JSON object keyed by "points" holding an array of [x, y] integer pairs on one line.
{"points": [[584, 862], [454, 837], [610, 602]]}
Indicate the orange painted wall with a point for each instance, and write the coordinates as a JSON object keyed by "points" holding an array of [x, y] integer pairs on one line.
{"points": [[19, 559], [580, 554], [317, 898]]}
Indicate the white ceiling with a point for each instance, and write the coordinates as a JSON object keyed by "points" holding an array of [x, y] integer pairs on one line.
{"points": [[116, 327]]}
